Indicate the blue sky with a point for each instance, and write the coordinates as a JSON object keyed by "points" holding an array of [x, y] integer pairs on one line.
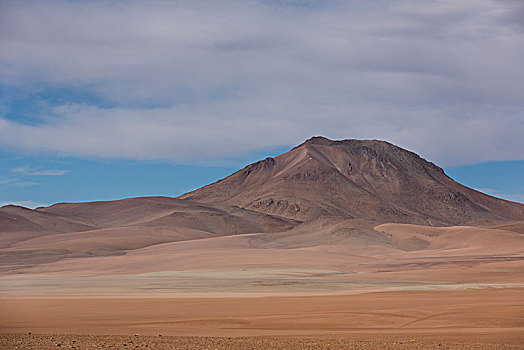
{"points": [[34, 181], [111, 99]]}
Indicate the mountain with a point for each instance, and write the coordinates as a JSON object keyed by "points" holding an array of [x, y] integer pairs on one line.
{"points": [[361, 179], [323, 197]]}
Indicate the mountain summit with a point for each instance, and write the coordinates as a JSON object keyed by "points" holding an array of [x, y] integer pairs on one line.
{"points": [[364, 179]]}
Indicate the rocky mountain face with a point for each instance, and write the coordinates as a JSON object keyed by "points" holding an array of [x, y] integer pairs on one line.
{"points": [[364, 179]]}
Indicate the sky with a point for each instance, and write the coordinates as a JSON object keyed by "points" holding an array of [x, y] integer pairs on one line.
{"points": [[112, 99]]}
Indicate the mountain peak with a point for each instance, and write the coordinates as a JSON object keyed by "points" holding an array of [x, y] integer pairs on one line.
{"points": [[367, 154], [315, 140], [322, 140], [365, 179]]}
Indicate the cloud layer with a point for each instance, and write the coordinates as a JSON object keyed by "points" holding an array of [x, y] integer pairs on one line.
{"points": [[25, 170], [193, 81], [27, 204]]}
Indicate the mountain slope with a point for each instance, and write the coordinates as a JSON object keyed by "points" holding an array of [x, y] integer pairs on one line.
{"points": [[363, 179], [18, 224], [170, 212], [72, 230], [16, 218]]}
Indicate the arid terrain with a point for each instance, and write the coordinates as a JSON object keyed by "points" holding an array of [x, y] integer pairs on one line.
{"points": [[356, 244]]}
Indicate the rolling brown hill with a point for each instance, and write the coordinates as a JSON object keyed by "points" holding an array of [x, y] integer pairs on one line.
{"points": [[18, 224], [70, 230], [166, 211], [361, 179]]}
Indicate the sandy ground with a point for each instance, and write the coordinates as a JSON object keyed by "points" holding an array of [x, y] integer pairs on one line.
{"points": [[467, 317], [460, 287]]}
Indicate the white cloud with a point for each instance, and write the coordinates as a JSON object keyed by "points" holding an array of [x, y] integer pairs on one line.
{"points": [[14, 182], [444, 79], [39, 172], [27, 204], [7, 181], [17, 183]]}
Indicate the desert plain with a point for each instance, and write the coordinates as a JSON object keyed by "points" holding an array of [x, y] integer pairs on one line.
{"points": [[231, 287]]}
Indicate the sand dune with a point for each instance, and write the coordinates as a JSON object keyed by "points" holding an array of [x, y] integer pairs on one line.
{"points": [[517, 226], [472, 239], [324, 230], [408, 257]]}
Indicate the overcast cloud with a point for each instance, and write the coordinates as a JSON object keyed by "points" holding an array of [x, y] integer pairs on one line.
{"points": [[191, 81]]}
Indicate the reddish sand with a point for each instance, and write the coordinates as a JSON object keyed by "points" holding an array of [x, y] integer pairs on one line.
{"points": [[462, 319], [493, 314]]}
